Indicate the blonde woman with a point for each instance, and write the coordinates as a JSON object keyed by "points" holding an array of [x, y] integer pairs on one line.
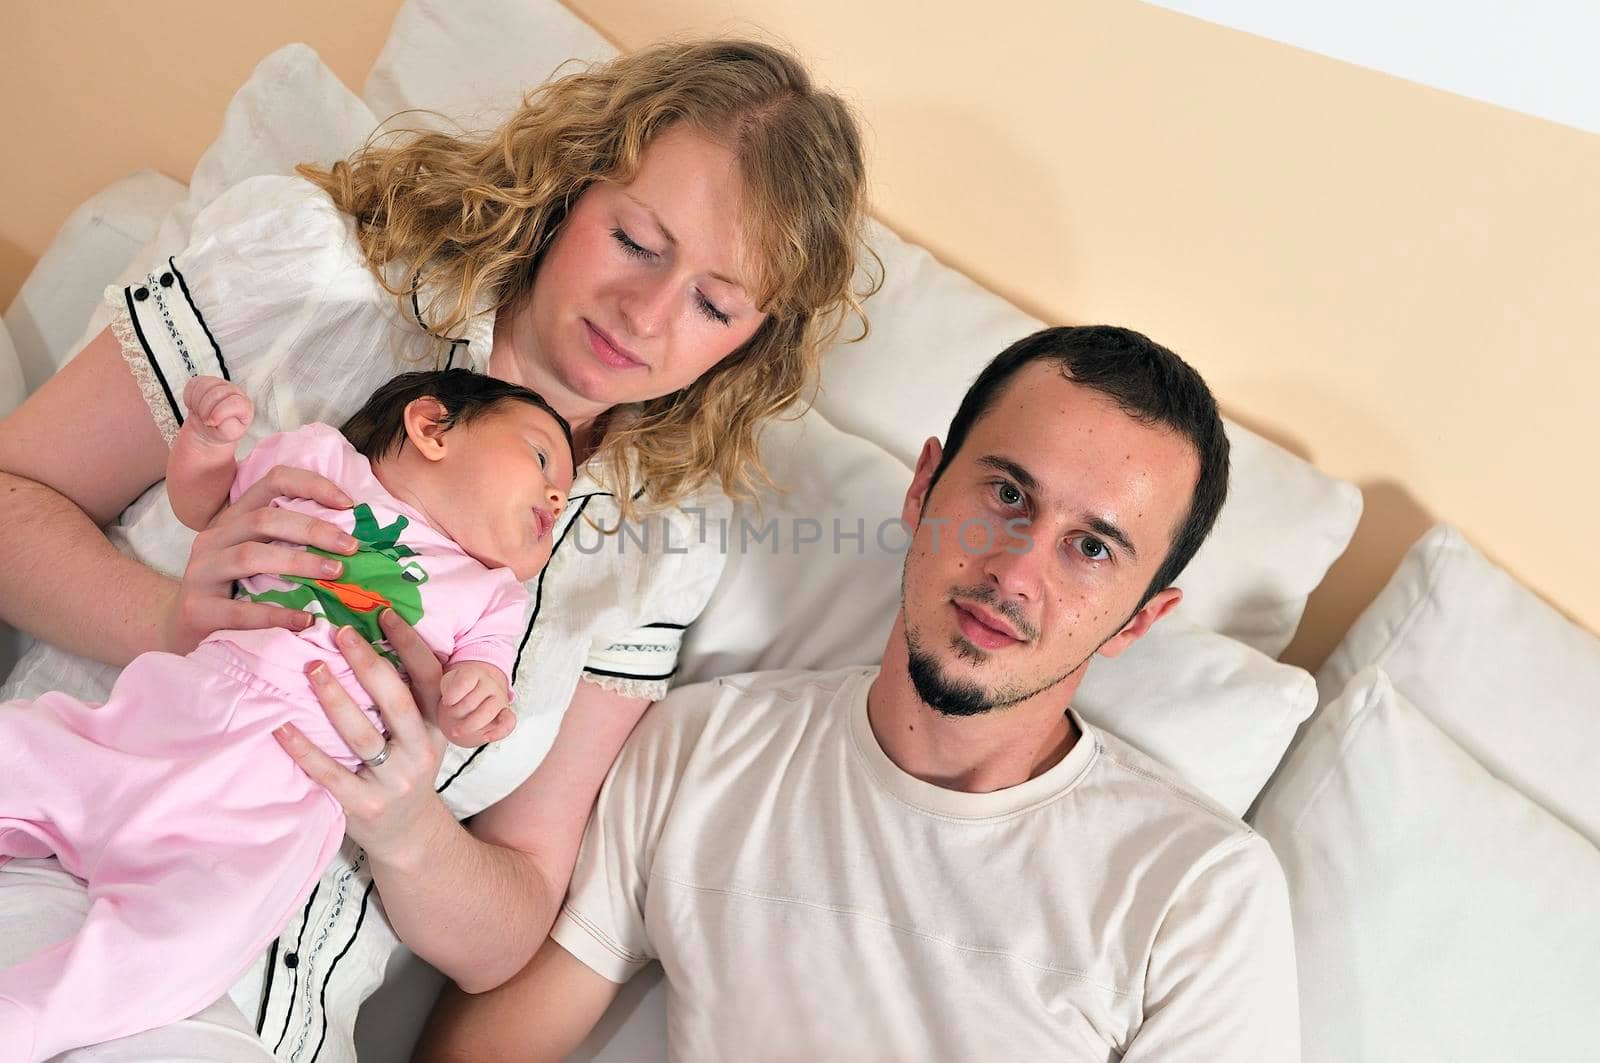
{"points": [[662, 246]]}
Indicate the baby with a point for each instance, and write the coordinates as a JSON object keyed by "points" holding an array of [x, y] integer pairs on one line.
{"points": [[197, 836]]}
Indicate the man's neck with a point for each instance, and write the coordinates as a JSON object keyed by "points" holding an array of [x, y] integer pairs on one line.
{"points": [[1001, 748]]}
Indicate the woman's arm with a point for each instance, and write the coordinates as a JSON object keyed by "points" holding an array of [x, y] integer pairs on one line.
{"points": [[543, 1013], [73, 457], [477, 904]]}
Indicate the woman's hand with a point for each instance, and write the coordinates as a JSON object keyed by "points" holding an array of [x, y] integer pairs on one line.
{"points": [[253, 538], [392, 807]]}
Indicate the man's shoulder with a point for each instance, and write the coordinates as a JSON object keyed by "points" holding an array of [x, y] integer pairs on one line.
{"points": [[1154, 793], [785, 685], [756, 702]]}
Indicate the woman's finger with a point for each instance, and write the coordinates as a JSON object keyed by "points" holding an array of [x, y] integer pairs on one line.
{"points": [[424, 668], [286, 481], [353, 725], [274, 523], [255, 559], [226, 614], [346, 787], [383, 684]]}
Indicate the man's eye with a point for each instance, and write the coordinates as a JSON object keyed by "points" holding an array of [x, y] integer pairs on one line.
{"points": [[1008, 494], [1093, 548]]}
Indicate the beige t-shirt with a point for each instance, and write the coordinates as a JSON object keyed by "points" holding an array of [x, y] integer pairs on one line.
{"points": [[809, 900]]}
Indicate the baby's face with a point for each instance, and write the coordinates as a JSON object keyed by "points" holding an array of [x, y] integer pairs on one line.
{"points": [[506, 478]]}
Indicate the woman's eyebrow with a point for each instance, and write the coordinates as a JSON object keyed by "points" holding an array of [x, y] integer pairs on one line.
{"points": [[673, 240]]}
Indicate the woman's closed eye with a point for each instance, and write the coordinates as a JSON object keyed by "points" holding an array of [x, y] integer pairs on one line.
{"points": [[632, 247], [710, 310]]}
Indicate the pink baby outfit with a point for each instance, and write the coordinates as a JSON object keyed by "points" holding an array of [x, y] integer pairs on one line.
{"points": [[197, 835]]}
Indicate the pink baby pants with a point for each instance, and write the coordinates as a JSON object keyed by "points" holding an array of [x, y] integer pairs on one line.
{"points": [[196, 834]]}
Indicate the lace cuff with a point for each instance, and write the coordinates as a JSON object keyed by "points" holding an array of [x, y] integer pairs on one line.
{"points": [[164, 341]]}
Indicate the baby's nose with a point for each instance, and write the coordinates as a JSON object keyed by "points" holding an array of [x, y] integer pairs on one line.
{"points": [[558, 500]]}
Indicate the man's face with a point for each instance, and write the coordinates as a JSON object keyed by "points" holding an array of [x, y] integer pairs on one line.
{"points": [[1037, 542]]}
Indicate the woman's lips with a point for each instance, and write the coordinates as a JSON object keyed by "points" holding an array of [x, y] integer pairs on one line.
{"points": [[980, 633], [608, 351]]}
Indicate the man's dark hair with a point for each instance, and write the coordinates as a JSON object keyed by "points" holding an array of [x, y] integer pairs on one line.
{"points": [[1149, 383], [378, 429]]}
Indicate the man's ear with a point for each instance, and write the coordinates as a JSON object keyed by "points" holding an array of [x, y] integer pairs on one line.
{"points": [[425, 428], [1141, 622], [921, 482]]}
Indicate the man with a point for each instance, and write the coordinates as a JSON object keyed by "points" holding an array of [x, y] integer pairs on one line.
{"points": [[938, 858]]}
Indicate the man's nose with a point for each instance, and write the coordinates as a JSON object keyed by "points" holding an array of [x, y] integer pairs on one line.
{"points": [[1015, 564]]}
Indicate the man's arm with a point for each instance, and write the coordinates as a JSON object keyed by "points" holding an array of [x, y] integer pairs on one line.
{"points": [[543, 1013], [1221, 983]]}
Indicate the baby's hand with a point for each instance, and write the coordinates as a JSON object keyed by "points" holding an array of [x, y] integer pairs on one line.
{"points": [[219, 413], [475, 704]]}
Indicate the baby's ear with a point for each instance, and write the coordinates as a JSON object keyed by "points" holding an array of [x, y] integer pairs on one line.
{"points": [[425, 427]]}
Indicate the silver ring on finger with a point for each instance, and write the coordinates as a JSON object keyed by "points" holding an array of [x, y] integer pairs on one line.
{"points": [[378, 758]]}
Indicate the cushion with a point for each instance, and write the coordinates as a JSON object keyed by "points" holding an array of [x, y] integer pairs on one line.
{"points": [[94, 246], [12, 390], [1438, 913], [812, 580], [510, 46], [12, 386], [1506, 676]]}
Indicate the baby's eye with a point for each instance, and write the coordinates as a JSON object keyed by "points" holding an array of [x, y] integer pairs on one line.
{"points": [[544, 460]]}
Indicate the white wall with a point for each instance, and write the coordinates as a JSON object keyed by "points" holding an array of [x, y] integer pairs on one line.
{"points": [[1534, 56]]}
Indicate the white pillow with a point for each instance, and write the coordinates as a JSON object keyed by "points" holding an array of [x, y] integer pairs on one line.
{"points": [[12, 387], [471, 60], [1508, 678], [1439, 914], [801, 590], [91, 250], [1284, 522], [785, 602]]}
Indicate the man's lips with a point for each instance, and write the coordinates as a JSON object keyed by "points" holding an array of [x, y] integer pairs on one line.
{"points": [[608, 350], [984, 628]]}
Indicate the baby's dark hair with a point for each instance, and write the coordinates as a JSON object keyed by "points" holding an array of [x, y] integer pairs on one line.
{"points": [[378, 429]]}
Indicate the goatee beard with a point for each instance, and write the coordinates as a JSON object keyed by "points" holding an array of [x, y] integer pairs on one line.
{"points": [[947, 697]]}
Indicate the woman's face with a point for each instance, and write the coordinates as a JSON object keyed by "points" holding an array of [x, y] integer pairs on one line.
{"points": [[641, 291]]}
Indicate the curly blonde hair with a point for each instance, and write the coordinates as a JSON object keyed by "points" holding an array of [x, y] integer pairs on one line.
{"points": [[469, 217]]}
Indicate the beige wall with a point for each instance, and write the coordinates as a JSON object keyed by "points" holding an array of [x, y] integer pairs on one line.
{"points": [[1397, 283]]}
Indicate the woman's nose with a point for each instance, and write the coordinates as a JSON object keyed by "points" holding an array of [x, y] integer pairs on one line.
{"points": [[647, 304]]}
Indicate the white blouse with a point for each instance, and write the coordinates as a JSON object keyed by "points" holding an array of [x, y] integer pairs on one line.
{"points": [[274, 293]]}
